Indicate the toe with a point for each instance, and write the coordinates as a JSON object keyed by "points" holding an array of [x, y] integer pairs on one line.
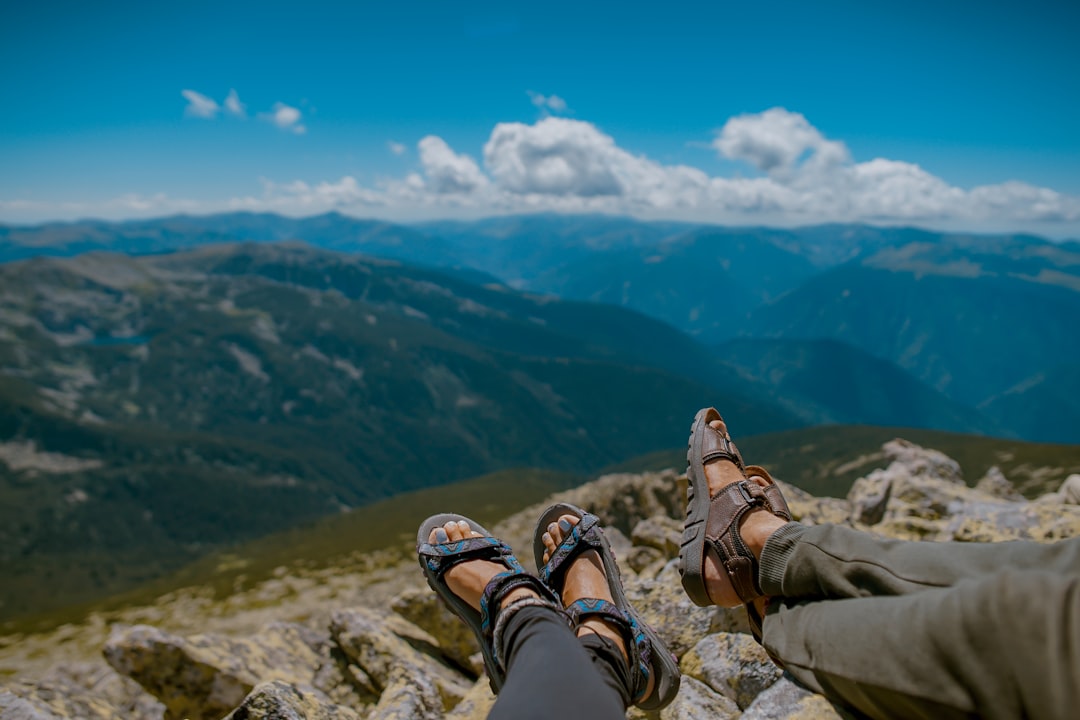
{"points": [[453, 530], [438, 536], [719, 426], [556, 531]]}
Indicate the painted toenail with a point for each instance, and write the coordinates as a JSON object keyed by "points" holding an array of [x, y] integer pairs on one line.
{"points": [[441, 536], [548, 539], [564, 525]]}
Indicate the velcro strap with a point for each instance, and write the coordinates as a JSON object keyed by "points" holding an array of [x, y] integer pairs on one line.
{"points": [[442, 556]]}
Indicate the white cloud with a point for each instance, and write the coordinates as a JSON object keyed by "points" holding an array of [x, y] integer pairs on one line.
{"points": [[286, 118], [563, 165], [555, 157], [199, 105], [234, 106], [396, 147], [778, 142], [547, 103], [446, 171]]}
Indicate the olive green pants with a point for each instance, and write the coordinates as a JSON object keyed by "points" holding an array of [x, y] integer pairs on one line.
{"points": [[894, 629]]}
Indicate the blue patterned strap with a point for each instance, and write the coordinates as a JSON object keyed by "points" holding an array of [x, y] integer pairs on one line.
{"points": [[630, 629], [497, 589], [442, 556], [584, 536]]}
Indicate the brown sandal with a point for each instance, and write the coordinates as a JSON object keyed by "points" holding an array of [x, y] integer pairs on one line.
{"points": [[712, 523]]}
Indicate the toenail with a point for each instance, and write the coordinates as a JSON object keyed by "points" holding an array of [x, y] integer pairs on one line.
{"points": [[551, 528], [440, 535], [564, 524], [548, 539]]}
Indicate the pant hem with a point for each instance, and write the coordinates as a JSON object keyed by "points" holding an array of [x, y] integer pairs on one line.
{"points": [[774, 557]]}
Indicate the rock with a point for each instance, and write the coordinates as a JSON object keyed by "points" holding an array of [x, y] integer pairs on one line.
{"points": [[81, 690], [396, 668], [732, 664], [659, 532], [206, 676], [810, 510], [869, 496], [1070, 490], [45, 703], [681, 624], [642, 560], [995, 484], [1067, 494], [476, 705], [281, 701], [922, 462], [425, 610], [694, 702], [787, 700], [1002, 521]]}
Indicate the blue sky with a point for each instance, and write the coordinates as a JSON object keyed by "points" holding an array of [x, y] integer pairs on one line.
{"points": [[972, 109]]}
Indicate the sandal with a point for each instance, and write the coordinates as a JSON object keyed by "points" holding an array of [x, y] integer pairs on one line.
{"points": [[653, 657], [712, 522], [437, 559]]}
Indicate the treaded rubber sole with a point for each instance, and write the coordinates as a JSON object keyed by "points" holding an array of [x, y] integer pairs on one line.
{"points": [[692, 549]]}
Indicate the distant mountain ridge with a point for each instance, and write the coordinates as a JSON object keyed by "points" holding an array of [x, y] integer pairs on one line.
{"points": [[975, 317]]}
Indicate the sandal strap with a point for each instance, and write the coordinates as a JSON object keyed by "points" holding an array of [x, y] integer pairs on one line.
{"points": [[628, 627], [440, 557], [715, 445], [773, 497], [585, 535], [726, 509]]}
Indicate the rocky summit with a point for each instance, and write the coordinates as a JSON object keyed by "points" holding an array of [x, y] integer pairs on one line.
{"points": [[379, 645]]}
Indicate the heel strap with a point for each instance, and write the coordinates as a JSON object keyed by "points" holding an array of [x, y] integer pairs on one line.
{"points": [[628, 627]]}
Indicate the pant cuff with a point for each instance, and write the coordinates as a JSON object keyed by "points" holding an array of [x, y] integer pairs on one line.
{"points": [[774, 557]]}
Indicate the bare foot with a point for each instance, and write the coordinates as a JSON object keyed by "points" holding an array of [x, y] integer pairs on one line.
{"points": [[585, 578], [755, 527], [467, 580]]}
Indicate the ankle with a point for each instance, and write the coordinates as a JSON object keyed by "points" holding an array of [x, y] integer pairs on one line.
{"points": [[517, 594], [756, 529]]}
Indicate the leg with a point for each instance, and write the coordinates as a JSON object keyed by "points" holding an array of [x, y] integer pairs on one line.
{"points": [[829, 561], [550, 674], [1003, 645]]}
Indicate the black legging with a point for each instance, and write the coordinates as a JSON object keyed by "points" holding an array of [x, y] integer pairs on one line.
{"points": [[553, 674]]}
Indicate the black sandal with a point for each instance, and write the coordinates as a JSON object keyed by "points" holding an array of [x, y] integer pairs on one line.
{"points": [[436, 559], [652, 655]]}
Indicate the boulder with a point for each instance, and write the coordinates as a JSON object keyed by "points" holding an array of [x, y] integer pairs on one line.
{"points": [[995, 484], [732, 664], [206, 676], [810, 510], [47, 703], [694, 701], [404, 676], [281, 701], [79, 690], [477, 703], [787, 700], [660, 533], [425, 610]]}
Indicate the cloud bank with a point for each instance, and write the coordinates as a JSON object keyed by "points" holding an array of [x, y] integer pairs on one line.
{"points": [[794, 175]]}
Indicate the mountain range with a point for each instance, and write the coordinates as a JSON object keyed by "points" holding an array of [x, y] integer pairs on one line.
{"points": [[169, 387]]}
